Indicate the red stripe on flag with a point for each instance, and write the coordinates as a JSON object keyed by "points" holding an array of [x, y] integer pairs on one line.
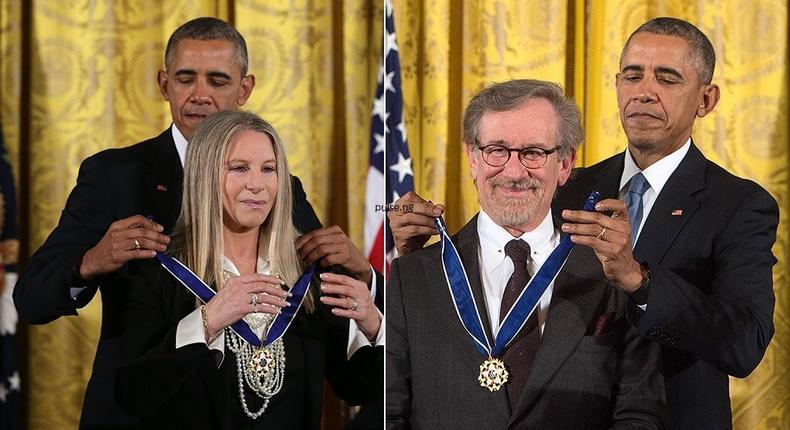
{"points": [[376, 256]]}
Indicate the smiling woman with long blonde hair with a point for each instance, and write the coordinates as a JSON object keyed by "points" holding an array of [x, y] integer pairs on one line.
{"points": [[185, 366]]}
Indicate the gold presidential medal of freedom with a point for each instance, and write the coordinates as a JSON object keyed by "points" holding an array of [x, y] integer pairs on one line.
{"points": [[493, 374]]}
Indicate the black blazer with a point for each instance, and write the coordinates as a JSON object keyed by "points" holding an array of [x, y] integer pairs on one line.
{"points": [[707, 242], [116, 183], [581, 378], [184, 388]]}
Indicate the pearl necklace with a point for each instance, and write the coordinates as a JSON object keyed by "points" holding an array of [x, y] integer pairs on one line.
{"points": [[261, 368]]}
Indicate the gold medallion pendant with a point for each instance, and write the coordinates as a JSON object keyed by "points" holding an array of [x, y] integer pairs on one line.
{"points": [[493, 374], [262, 362]]}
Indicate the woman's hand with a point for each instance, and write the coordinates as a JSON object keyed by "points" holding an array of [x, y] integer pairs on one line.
{"points": [[242, 295], [351, 299]]}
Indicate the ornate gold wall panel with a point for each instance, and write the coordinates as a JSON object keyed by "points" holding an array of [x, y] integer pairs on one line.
{"points": [[10, 77], [316, 66]]}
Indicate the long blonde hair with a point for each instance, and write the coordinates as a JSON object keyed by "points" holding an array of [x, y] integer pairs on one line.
{"points": [[198, 238]]}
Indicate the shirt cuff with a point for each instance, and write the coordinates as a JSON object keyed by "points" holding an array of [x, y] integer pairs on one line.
{"points": [[75, 292], [639, 297], [373, 285], [76, 283], [357, 338], [190, 331]]}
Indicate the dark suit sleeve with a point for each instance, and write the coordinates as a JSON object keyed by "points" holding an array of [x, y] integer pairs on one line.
{"points": [[42, 293], [359, 380], [151, 370], [640, 399], [379, 299], [398, 399], [304, 216], [729, 322], [306, 220]]}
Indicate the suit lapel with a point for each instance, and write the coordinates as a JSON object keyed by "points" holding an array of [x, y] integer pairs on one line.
{"points": [[163, 179], [467, 244], [609, 178], [575, 300], [673, 208], [214, 380]]}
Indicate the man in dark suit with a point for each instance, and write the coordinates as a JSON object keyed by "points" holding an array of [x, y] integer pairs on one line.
{"points": [[699, 274], [105, 222], [575, 362]]}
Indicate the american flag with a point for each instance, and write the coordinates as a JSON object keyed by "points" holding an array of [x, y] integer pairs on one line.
{"points": [[9, 251], [388, 135]]}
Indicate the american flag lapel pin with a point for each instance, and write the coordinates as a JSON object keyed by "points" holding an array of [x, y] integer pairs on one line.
{"points": [[161, 187], [677, 212]]}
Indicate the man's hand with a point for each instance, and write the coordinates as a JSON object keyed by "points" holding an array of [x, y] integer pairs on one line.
{"points": [[330, 246], [411, 222], [133, 238], [610, 238]]}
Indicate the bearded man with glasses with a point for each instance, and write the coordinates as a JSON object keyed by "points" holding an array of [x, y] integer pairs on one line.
{"points": [[466, 348], [694, 253]]}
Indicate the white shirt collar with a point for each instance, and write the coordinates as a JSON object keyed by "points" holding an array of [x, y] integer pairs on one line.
{"points": [[262, 266], [496, 268], [494, 237], [658, 173], [181, 143]]}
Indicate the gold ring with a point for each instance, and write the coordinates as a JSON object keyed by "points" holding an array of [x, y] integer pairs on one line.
{"points": [[136, 245], [354, 306], [253, 299], [600, 235]]}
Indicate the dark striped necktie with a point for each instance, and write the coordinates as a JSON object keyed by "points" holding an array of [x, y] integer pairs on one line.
{"points": [[518, 357]]}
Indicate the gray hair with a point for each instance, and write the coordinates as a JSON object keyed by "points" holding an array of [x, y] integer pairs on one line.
{"points": [[505, 96], [208, 28], [705, 56]]}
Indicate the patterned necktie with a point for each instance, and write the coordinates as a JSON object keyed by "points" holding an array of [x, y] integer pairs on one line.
{"points": [[633, 200], [520, 354]]}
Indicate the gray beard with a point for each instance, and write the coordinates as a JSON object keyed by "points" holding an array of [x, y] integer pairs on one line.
{"points": [[514, 212]]}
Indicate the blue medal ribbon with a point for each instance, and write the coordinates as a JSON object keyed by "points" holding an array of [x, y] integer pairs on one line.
{"points": [[525, 304], [287, 314], [457, 281], [204, 293]]}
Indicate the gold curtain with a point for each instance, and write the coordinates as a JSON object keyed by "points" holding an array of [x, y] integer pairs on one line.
{"points": [[316, 65], [451, 49], [80, 76]]}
